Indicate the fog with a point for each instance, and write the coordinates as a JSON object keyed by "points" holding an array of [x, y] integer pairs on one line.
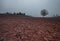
{"points": [[30, 7]]}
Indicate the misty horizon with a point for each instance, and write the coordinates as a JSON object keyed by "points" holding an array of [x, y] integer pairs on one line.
{"points": [[30, 7]]}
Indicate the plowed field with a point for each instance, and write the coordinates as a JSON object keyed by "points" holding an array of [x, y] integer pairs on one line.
{"points": [[22, 28]]}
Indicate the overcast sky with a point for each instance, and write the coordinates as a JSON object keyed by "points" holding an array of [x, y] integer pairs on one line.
{"points": [[30, 7]]}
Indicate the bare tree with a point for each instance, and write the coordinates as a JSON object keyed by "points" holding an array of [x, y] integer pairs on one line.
{"points": [[44, 12]]}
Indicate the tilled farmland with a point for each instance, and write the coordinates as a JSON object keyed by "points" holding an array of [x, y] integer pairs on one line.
{"points": [[22, 28]]}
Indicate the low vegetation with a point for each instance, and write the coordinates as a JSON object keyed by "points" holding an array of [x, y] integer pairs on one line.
{"points": [[7, 13]]}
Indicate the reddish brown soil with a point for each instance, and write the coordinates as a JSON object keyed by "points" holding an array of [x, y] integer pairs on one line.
{"points": [[19, 28]]}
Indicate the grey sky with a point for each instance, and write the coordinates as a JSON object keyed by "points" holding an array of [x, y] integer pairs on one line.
{"points": [[30, 7]]}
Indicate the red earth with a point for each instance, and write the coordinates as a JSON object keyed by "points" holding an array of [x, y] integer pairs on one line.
{"points": [[22, 28]]}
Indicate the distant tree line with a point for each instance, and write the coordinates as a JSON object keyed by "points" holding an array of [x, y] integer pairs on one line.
{"points": [[56, 15], [7, 13]]}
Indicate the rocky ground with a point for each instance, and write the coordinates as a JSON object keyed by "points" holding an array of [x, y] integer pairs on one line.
{"points": [[19, 28]]}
